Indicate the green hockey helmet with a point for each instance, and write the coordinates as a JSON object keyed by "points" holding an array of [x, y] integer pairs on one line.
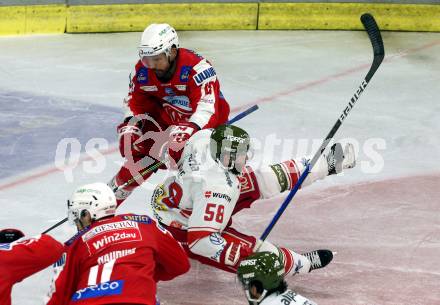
{"points": [[229, 145], [263, 270]]}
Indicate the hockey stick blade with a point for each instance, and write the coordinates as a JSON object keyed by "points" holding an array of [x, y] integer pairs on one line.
{"points": [[379, 53], [373, 32], [238, 117]]}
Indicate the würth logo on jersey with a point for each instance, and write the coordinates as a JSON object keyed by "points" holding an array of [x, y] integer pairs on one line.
{"points": [[209, 194], [222, 196]]}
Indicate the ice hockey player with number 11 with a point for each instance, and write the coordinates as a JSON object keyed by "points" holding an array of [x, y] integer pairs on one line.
{"points": [[213, 183], [113, 259]]}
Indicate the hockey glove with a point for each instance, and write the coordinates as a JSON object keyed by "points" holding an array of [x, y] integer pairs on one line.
{"points": [[129, 140], [233, 253], [179, 134]]}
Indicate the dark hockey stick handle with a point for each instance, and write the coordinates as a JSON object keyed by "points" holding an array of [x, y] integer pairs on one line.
{"points": [[160, 163], [379, 53], [55, 225]]}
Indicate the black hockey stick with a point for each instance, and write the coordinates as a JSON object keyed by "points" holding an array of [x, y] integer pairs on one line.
{"points": [[373, 31], [160, 163]]}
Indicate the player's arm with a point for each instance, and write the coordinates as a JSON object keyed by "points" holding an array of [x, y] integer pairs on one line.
{"points": [[204, 95], [139, 99], [61, 289], [171, 259], [139, 106], [280, 177], [29, 256], [212, 211]]}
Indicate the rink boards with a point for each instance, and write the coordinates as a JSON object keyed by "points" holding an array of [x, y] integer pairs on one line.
{"points": [[63, 18]]}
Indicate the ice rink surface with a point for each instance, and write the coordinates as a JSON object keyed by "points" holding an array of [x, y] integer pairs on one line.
{"points": [[382, 218]]}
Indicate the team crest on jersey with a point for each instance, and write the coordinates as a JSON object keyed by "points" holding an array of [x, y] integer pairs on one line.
{"points": [[142, 76], [184, 73]]}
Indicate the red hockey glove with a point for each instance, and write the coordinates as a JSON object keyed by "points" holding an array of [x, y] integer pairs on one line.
{"points": [[129, 144], [179, 134], [233, 253]]}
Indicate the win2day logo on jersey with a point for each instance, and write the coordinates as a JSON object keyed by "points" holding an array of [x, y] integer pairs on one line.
{"points": [[121, 232]]}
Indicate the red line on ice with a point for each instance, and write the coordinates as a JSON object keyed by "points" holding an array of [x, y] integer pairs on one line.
{"points": [[48, 171], [267, 99]]}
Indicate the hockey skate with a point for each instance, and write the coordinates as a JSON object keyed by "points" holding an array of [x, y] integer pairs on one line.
{"points": [[319, 258], [338, 159]]}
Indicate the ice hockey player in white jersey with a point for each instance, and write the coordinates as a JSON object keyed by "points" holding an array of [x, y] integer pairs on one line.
{"points": [[262, 278], [213, 183]]}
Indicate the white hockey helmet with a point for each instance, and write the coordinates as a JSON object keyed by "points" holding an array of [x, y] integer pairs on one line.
{"points": [[96, 198], [158, 38]]}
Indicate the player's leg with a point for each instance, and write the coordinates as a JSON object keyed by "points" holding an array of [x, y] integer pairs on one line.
{"points": [[295, 262], [129, 170], [277, 178], [269, 181], [227, 237]]}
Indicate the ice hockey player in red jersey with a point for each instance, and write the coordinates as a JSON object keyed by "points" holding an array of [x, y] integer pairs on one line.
{"points": [[21, 257], [113, 259], [173, 93], [213, 183]]}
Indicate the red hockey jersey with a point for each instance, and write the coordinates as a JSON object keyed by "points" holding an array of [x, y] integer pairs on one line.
{"points": [[193, 93], [118, 261], [23, 258]]}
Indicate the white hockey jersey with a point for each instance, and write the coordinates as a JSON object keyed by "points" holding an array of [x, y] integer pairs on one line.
{"points": [[201, 195], [288, 297]]}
